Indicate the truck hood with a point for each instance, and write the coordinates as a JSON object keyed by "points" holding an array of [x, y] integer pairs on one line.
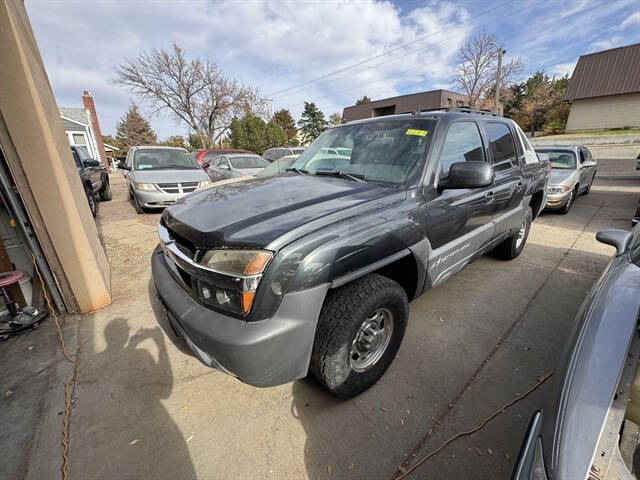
{"points": [[255, 212]]}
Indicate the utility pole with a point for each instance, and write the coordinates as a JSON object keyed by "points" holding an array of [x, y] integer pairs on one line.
{"points": [[498, 72]]}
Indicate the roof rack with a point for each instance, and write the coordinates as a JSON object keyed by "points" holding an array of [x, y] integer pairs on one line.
{"points": [[470, 110]]}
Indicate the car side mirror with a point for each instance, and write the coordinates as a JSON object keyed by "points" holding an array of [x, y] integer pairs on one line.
{"points": [[621, 239], [90, 162], [124, 166], [206, 165], [468, 175]]}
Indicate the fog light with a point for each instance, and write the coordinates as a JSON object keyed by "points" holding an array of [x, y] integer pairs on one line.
{"points": [[206, 292], [222, 297]]}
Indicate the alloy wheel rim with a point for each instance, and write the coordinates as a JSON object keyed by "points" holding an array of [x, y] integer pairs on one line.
{"points": [[371, 340]]}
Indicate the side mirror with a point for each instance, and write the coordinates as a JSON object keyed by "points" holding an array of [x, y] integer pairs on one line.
{"points": [[621, 239], [206, 165], [124, 166], [90, 162], [468, 175]]}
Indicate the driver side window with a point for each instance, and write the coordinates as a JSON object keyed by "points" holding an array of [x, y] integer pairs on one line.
{"points": [[462, 144]]}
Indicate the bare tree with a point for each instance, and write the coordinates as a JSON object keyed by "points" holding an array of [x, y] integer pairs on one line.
{"points": [[475, 72], [195, 92]]}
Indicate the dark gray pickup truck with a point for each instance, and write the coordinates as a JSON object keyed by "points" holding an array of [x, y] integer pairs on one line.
{"points": [[272, 278]]}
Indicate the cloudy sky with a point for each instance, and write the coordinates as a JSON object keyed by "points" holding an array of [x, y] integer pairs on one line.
{"points": [[330, 52]]}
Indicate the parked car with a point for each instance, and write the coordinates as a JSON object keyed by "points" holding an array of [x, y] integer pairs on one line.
{"points": [[583, 430], [158, 176], [209, 154], [312, 271], [95, 179], [572, 174], [274, 154], [236, 165]]}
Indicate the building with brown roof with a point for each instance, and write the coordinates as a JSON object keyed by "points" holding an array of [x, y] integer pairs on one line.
{"points": [[604, 90], [423, 101]]}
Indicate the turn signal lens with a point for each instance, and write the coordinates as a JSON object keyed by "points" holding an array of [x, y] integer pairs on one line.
{"points": [[247, 300], [257, 263]]}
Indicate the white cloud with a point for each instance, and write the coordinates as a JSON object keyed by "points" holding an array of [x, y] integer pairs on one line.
{"points": [[633, 19], [607, 43], [563, 69], [271, 45]]}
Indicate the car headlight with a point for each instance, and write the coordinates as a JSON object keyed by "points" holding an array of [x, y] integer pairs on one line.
{"points": [[145, 187], [243, 271], [557, 188], [204, 183]]}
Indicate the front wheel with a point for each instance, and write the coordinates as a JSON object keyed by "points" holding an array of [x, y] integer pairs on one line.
{"points": [[513, 246], [91, 199], [136, 203], [359, 332], [105, 193], [567, 206]]}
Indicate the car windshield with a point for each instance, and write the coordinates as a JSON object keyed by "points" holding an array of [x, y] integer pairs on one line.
{"points": [[388, 151], [277, 167], [561, 159], [159, 158], [250, 161]]}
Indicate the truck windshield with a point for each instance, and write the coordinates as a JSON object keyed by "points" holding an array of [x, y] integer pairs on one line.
{"points": [[388, 151], [159, 158]]}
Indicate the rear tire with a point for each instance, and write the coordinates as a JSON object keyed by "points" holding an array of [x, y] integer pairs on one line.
{"points": [[359, 332], [588, 189], [513, 246]]}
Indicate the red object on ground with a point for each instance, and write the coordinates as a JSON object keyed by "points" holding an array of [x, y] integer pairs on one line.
{"points": [[9, 278]]}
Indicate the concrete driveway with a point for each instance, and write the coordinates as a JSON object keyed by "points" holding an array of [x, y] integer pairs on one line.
{"points": [[144, 409]]}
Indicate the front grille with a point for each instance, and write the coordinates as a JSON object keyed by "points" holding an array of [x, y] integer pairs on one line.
{"points": [[182, 187], [185, 246]]}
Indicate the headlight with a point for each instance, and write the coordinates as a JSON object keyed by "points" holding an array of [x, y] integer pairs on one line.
{"points": [[243, 269], [204, 183], [145, 187], [557, 188]]}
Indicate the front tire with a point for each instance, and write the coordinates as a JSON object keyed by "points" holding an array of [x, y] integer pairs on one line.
{"points": [[91, 199], [564, 210], [136, 203], [513, 246], [359, 332], [105, 193]]}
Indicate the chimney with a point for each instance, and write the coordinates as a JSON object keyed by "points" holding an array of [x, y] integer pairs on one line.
{"points": [[87, 99]]}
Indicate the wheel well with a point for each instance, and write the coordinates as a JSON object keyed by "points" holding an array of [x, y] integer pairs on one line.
{"points": [[536, 202], [404, 272]]}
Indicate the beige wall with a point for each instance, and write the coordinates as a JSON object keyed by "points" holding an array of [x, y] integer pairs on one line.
{"points": [[38, 155], [612, 111]]}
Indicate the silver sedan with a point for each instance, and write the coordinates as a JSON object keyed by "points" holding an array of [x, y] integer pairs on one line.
{"points": [[572, 174]]}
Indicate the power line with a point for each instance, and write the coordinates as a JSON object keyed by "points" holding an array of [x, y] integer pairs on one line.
{"points": [[331, 94], [386, 52]]}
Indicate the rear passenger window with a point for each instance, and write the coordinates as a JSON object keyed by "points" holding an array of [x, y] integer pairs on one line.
{"points": [[501, 145], [462, 144]]}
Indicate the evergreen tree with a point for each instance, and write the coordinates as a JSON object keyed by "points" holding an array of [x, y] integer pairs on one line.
{"points": [[312, 123], [176, 141], [362, 100], [252, 133], [335, 119], [285, 120], [133, 129]]}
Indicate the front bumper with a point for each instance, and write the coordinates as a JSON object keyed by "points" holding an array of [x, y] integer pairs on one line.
{"points": [[157, 199], [556, 200], [263, 353]]}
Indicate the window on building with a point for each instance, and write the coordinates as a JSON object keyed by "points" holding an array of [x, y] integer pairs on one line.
{"points": [[79, 138]]}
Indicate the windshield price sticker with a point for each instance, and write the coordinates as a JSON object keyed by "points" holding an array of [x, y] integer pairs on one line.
{"points": [[416, 133]]}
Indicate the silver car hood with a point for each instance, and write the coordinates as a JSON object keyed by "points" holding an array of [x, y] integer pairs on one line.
{"points": [[563, 177], [169, 176]]}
